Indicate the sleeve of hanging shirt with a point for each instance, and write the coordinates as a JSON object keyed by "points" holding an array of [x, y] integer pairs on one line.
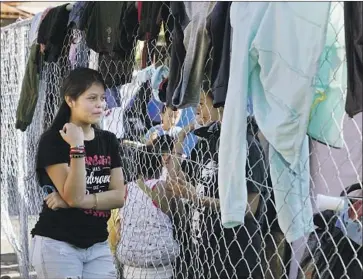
{"points": [[29, 92]]}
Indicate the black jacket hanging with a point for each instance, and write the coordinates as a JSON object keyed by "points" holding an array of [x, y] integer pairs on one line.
{"points": [[136, 118], [353, 24], [220, 24], [52, 33], [178, 51], [110, 26]]}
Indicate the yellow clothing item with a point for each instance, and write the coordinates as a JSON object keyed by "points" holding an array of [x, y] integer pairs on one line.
{"points": [[113, 226]]}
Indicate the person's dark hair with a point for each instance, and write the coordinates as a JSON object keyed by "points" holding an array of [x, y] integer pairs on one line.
{"points": [[75, 84], [149, 158], [163, 108]]}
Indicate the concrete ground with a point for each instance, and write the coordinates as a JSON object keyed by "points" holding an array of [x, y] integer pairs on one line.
{"points": [[9, 262]]}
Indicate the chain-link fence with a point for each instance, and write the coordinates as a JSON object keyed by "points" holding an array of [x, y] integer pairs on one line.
{"points": [[153, 232]]}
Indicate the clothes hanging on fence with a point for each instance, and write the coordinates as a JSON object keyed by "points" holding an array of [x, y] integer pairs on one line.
{"points": [[221, 49], [110, 30], [46, 11], [353, 19], [177, 48], [53, 31], [34, 28], [136, 100], [29, 90], [136, 119], [75, 14], [242, 242], [151, 15], [110, 26], [196, 43], [158, 80], [113, 98], [78, 52], [277, 73], [114, 118], [327, 110]]}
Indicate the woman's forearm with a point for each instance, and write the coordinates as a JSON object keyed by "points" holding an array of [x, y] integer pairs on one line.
{"points": [[74, 189], [105, 200]]}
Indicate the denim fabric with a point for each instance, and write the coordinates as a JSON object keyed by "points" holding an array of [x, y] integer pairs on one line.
{"points": [[158, 76], [113, 98], [76, 13], [59, 260], [276, 47]]}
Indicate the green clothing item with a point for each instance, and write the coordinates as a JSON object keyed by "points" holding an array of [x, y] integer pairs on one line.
{"points": [[29, 91]]}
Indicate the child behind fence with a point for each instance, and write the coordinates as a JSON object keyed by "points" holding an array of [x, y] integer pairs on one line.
{"points": [[147, 248]]}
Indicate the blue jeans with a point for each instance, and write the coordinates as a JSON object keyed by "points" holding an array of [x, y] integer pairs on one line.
{"points": [[53, 259]]}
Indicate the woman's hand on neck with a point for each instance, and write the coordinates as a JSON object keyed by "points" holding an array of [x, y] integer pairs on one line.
{"points": [[88, 130]]}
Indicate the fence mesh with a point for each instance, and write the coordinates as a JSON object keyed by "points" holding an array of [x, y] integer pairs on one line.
{"points": [[141, 233]]}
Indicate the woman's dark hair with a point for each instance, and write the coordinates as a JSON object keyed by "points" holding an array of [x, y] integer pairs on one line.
{"points": [[164, 107], [149, 158], [76, 83]]}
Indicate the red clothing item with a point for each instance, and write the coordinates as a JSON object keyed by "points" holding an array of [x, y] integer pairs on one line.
{"points": [[139, 7]]}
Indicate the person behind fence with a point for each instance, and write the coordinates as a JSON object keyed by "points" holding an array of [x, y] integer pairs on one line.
{"points": [[217, 252], [147, 248], [79, 169], [169, 119]]}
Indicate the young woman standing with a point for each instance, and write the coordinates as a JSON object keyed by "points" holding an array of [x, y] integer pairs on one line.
{"points": [[79, 168]]}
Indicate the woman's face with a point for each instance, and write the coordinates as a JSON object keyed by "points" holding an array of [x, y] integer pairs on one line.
{"points": [[90, 106], [205, 110], [170, 117]]}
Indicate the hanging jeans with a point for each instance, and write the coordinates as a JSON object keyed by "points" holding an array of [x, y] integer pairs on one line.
{"points": [[276, 47]]}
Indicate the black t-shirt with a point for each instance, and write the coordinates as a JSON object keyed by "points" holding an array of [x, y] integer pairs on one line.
{"points": [[224, 253], [79, 227]]}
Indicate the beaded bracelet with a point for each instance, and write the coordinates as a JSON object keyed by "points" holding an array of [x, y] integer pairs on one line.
{"points": [[77, 147], [76, 156], [77, 150]]}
